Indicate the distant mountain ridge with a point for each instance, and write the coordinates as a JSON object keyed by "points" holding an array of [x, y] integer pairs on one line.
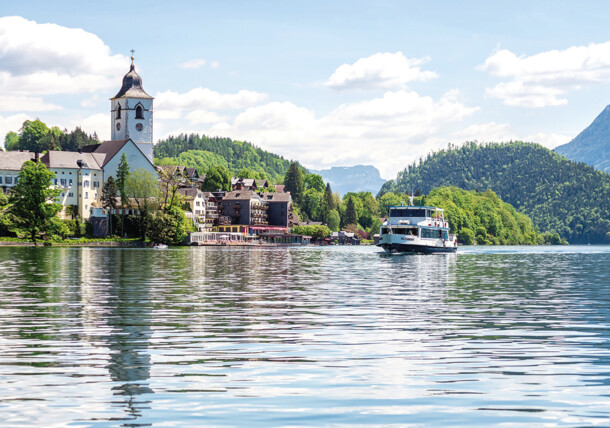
{"points": [[570, 198], [359, 178], [592, 145]]}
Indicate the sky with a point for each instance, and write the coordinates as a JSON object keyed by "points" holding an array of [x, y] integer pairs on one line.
{"points": [[328, 83]]}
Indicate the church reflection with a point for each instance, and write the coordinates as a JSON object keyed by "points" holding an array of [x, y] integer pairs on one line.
{"points": [[122, 306]]}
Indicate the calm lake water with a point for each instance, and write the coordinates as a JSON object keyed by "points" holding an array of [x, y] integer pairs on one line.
{"points": [[304, 336]]}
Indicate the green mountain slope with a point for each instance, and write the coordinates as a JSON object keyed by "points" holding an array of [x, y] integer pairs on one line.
{"points": [[592, 145], [572, 199], [237, 154]]}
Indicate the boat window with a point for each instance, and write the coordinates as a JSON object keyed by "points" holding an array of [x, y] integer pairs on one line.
{"points": [[430, 233], [403, 212], [445, 235]]}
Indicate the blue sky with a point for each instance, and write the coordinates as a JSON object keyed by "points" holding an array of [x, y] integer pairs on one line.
{"points": [[326, 82]]}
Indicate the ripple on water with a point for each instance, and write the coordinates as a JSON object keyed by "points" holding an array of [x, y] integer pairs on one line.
{"points": [[304, 336]]}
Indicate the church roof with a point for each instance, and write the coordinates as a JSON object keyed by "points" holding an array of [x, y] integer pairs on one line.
{"points": [[108, 148], [132, 85], [57, 159]]}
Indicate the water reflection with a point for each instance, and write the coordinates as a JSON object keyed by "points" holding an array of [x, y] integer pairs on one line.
{"points": [[303, 336]]}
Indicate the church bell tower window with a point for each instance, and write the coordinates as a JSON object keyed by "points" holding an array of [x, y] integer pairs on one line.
{"points": [[118, 111], [139, 112]]}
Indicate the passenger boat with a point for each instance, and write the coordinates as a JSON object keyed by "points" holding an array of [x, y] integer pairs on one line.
{"points": [[416, 229]]}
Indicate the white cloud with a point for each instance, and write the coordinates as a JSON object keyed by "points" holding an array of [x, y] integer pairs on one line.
{"points": [[214, 64], [205, 116], [11, 123], [388, 131], [502, 132], [170, 104], [23, 103], [98, 123], [544, 79], [42, 59], [380, 71], [193, 64]]}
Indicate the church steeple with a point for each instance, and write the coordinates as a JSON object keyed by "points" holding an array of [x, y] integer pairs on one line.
{"points": [[132, 112]]}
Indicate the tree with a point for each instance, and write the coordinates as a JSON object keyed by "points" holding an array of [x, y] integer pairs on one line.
{"points": [[32, 200], [316, 231], [168, 226], [122, 173], [33, 136], [389, 200], [109, 195], [169, 184], [314, 181], [143, 188], [333, 220], [11, 141], [293, 180], [351, 217], [310, 204], [217, 178]]}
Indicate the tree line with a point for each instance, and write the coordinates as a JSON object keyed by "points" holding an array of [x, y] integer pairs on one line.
{"points": [[560, 196], [36, 136], [202, 152]]}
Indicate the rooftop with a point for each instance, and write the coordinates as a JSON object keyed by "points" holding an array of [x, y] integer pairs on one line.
{"points": [[132, 85]]}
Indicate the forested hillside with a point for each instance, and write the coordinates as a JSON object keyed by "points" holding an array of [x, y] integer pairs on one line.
{"points": [[572, 199], [238, 155]]}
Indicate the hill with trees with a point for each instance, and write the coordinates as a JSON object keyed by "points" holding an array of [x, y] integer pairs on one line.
{"points": [[201, 152], [36, 136], [569, 198], [592, 145]]}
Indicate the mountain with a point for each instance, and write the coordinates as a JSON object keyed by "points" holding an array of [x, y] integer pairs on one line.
{"points": [[591, 146], [359, 178], [199, 151], [569, 198]]}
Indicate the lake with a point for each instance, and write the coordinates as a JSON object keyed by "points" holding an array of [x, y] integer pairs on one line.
{"points": [[304, 336]]}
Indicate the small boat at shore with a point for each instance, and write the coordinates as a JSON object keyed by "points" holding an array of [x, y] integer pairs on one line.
{"points": [[416, 229]]}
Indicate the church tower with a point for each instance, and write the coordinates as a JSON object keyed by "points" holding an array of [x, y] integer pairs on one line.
{"points": [[131, 111]]}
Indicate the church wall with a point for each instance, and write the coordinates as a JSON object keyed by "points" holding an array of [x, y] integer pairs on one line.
{"points": [[135, 159]]}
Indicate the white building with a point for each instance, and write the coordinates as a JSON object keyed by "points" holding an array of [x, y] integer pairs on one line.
{"points": [[80, 178]]}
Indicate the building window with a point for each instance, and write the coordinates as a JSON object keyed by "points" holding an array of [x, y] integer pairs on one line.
{"points": [[96, 184], [86, 184], [70, 194], [0, 179], [16, 179], [9, 179], [86, 195], [118, 111], [62, 194], [63, 182], [70, 182], [139, 112]]}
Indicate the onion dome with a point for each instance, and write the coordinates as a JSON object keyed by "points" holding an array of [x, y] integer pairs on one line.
{"points": [[132, 85]]}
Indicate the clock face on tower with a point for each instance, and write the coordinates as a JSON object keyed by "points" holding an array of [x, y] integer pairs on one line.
{"points": [[139, 126], [118, 126]]}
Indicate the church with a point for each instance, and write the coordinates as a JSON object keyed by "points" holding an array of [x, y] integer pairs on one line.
{"points": [[81, 175]]}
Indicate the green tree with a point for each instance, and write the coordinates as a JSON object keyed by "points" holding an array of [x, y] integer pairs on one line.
{"points": [[217, 177], [108, 199], [11, 141], [143, 189], [317, 232], [294, 182], [34, 136], [168, 226], [466, 236], [389, 200], [33, 209], [315, 181], [311, 202], [333, 220], [351, 216], [122, 173]]}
